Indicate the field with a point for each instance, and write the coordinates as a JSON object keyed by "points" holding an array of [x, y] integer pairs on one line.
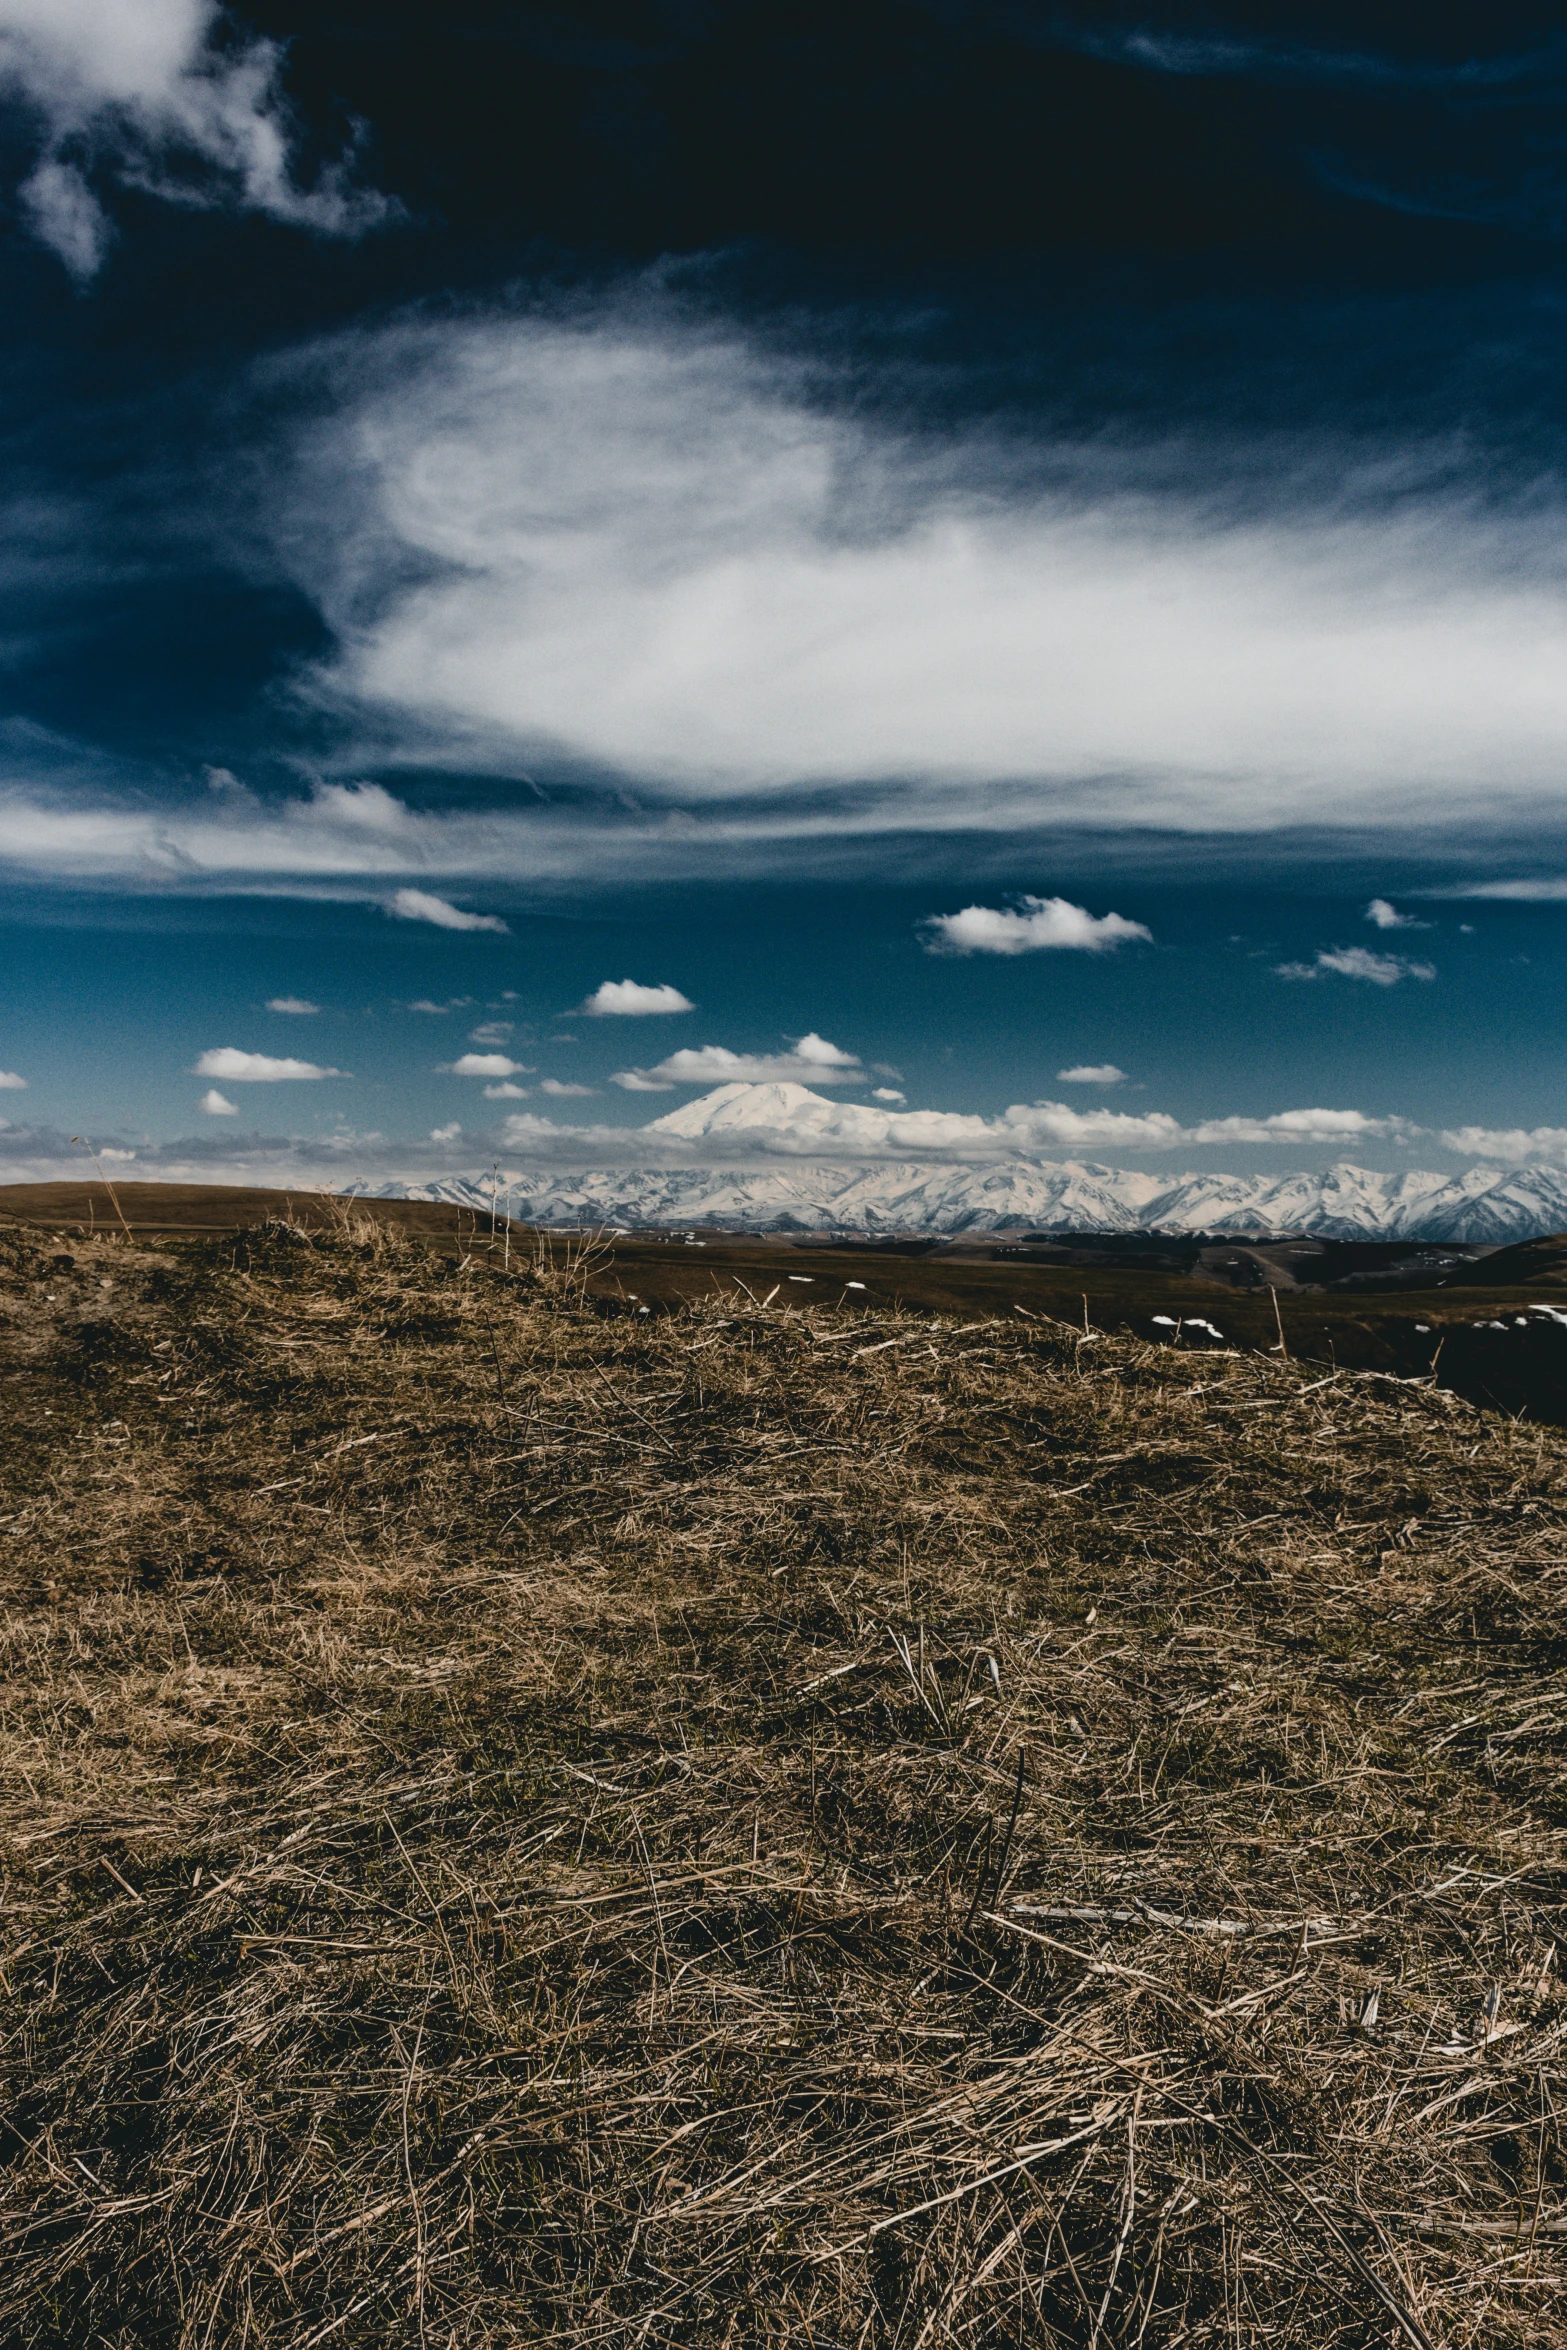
{"points": [[740, 1825], [1479, 1337]]}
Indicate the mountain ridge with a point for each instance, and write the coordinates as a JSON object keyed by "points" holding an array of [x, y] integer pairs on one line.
{"points": [[1343, 1202]]}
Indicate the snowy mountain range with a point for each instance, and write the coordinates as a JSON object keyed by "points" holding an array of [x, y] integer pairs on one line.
{"points": [[1006, 1193]]}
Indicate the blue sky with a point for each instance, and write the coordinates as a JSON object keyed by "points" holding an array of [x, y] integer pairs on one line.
{"points": [[698, 497]]}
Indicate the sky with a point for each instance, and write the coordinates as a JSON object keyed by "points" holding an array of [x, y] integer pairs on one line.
{"points": [[1002, 563]]}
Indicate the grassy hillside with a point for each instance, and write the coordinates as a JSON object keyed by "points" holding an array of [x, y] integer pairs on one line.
{"points": [[738, 1825]]}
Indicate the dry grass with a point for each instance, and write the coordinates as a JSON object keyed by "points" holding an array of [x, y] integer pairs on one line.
{"points": [[727, 1828]]}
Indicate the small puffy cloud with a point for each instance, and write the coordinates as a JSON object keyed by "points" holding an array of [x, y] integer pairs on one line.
{"points": [[890, 1094], [109, 1153], [490, 1032], [11, 1083], [216, 1106], [1092, 1073], [420, 905], [627, 999], [1358, 963], [506, 1092], [445, 1133], [257, 1068], [561, 1092], [813, 1061], [1386, 917], [488, 1065], [291, 1003], [1033, 924], [1515, 1144]]}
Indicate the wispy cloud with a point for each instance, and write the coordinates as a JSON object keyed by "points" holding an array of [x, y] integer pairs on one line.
{"points": [[150, 96], [560, 1091], [1033, 924], [291, 1003], [627, 999], [506, 1092], [1280, 59], [491, 1032], [719, 581], [418, 905], [1357, 963], [242, 1068], [812, 1061], [1092, 1073]]}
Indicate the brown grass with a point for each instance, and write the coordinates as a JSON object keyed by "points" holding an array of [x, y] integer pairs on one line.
{"points": [[732, 1827]]}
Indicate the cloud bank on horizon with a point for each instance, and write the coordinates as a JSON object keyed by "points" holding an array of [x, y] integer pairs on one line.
{"points": [[759, 1120]]}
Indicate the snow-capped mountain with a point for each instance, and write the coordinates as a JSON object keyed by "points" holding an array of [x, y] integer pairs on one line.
{"points": [[780, 1158], [1343, 1203]]}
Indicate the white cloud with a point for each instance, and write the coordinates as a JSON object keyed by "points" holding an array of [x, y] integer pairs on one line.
{"points": [[256, 1068], [629, 1000], [490, 1032], [812, 1060], [506, 1092], [418, 905], [291, 1003], [889, 1093], [1035, 923], [488, 1065], [1304, 1126], [141, 91], [1358, 963], [637, 544], [792, 1119], [562, 1092], [1388, 917], [217, 1106], [445, 1133], [1515, 1144], [1092, 1073], [11, 1083]]}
